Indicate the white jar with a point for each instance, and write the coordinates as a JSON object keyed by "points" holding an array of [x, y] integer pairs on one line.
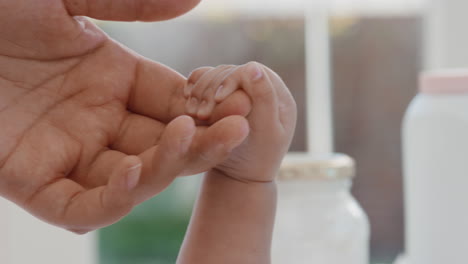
{"points": [[318, 220], [435, 150]]}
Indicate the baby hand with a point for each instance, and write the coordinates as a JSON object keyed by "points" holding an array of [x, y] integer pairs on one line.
{"points": [[272, 118], [201, 103]]}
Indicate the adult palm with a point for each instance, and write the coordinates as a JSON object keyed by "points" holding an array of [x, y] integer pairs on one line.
{"points": [[84, 119]]}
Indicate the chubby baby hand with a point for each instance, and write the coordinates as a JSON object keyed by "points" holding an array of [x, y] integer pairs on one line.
{"points": [[205, 86], [270, 111]]}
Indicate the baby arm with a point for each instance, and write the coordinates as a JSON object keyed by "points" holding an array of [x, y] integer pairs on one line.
{"points": [[234, 215]]}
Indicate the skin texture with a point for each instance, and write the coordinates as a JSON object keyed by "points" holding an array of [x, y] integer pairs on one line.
{"points": [[234, 215], [89, 128]]}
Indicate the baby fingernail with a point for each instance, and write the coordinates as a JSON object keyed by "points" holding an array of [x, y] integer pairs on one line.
{"points": [[133, 177], [257, 72], [192, 106]]}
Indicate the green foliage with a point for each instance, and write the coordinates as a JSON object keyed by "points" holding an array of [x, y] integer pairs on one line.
{"points": [[152, 233]]}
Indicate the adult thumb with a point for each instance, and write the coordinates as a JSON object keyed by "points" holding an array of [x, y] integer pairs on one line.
{"points": [[130, 10]]}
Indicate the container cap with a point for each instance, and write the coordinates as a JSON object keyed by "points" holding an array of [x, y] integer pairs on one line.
{"points": [[450, 81], [305, 167]]}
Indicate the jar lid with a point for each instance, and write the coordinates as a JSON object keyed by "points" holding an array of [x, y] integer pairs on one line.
{"points": [[448, 81], [306, 167]]}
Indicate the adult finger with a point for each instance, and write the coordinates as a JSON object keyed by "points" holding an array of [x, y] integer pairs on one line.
{"points": [[68, 204], [129, 10], [137, 134], [157, 92], [164, 162], [212, 145], [208, 147], [97, 173]]}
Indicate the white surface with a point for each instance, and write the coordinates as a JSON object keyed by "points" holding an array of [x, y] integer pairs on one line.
{"points": [[435, 137], [25, 239]]}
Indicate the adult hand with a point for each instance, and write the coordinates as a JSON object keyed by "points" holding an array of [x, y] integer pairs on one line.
{"points": [[90, 128]]}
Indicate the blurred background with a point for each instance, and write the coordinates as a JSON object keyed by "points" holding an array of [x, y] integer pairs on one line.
{"points": [[372, 53]]}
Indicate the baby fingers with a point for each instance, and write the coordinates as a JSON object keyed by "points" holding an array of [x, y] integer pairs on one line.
{"points": [[201, 102]]}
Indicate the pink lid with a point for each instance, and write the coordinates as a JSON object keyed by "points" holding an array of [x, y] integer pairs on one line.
{"points": [[452, 81]]}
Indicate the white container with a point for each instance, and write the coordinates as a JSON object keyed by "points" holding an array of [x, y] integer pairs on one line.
{"points": [[435, 151], [318, 220]]}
